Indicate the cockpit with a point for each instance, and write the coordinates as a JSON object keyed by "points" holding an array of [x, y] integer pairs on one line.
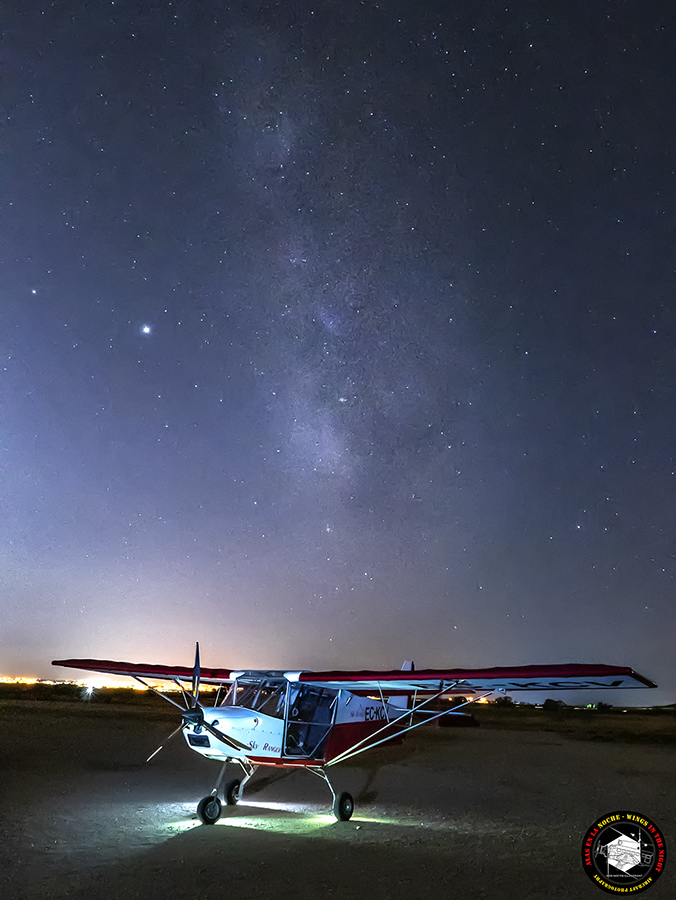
{"points": [[307, 710]]}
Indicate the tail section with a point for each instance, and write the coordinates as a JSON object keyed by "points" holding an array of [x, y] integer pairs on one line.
{"points": [[402, 701]]}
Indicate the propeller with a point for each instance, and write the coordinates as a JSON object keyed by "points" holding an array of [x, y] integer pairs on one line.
{"points": [[195, 715], [196, 676]]}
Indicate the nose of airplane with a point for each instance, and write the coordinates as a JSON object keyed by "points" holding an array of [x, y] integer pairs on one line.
{"points": [[234, 716], [229, 729]]}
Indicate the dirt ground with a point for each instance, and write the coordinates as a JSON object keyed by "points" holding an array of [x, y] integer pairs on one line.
{"points": [[474, 813]]}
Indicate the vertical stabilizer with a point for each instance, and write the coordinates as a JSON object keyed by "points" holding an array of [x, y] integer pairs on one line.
{"points": [[402, 700]]}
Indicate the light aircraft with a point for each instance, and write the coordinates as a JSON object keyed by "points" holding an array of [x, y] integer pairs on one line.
{"points": [[315, 720]]}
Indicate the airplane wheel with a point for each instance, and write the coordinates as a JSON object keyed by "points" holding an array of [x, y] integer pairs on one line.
{"points": [[232, 792], [209, 810], [343, 806]]}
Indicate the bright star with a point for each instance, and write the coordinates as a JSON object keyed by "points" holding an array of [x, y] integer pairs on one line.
{"points": [[146, 329]]}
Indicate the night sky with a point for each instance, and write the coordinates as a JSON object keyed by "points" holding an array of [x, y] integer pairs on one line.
{"points": [[338, 334]]}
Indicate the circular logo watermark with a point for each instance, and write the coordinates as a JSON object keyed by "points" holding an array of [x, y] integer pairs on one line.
{"points": [[624, 853]]}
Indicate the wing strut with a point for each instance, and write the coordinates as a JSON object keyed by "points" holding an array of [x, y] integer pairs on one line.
{"points": [[354, 751], [357, 748], [159, 693]]}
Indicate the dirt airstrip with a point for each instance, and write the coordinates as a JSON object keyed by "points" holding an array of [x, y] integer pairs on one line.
{"points": [[476, 813]]}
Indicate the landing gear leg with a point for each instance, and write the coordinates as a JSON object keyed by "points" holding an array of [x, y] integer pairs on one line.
{"points": [[210, 807], [234, 789], [343, 804]]}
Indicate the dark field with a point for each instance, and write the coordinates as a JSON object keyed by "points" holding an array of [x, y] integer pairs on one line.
{"points": [[495, 812], [652, 726]]}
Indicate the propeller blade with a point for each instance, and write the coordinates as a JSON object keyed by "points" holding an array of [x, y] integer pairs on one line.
{"points": [[174, 732], [196, 675], [230, 741]]}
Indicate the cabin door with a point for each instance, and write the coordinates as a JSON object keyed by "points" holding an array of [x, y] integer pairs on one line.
{"points": [[310, 713]]}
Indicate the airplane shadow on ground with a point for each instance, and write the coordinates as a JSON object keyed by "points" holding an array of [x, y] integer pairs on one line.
{"points": [[364, 796]]}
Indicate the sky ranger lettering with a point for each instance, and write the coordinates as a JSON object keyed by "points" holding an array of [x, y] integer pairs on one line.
{"points": [[315, 720]]}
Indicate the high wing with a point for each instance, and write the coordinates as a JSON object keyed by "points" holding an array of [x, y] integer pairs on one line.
{"points": [[572, 676], [148, 670]]}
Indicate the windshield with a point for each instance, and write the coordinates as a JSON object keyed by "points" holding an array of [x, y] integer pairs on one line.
{"points": [[264, 695]]}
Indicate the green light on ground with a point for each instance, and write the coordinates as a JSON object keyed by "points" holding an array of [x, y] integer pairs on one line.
{"points": [[298, 824]]}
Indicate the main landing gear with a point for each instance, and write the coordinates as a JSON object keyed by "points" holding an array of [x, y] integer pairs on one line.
{"points": [[233, 792], [343, 804], [209, 808]]}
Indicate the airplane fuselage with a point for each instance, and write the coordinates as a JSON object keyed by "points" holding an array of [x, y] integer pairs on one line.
{"points": [[310, 726]]}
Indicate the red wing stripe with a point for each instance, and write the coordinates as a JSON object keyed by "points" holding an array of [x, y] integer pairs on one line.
{"points": [[145, 670], [570, 676], [564, 677]]}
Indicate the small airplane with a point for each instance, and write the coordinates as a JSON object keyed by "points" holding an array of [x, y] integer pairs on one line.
{"points": [[315, 720]]}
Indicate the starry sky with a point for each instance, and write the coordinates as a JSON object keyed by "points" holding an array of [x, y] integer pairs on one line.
{"points": [[336, 334]]}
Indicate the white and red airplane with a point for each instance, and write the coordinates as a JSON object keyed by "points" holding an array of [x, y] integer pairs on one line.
{"points": [[314, 720]]}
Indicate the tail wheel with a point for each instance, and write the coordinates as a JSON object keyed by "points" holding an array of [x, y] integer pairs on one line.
{"points": [[209, 810], [232, 792], [343, 806]]}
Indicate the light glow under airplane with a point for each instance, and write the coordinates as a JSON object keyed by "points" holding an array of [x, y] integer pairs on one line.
{"points": [[315, 720]]}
